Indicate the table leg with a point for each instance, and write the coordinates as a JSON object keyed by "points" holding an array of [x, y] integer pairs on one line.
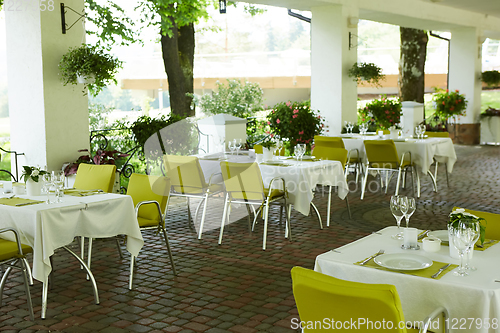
{"points": [[45, 289], [434, 184], [89, 273]]}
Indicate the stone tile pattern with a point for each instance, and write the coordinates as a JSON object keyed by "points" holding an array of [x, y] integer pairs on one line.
{"points": [[235, 287]]}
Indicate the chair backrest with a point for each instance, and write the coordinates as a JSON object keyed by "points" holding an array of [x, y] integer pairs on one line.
{"points": [[320, 296], [185, 173], [329, 153], [492, 222], [383, 130], [146, 188], [437, 134], [381, 152], [329, 141], [93, 177], [258, 149], [243, 181]]}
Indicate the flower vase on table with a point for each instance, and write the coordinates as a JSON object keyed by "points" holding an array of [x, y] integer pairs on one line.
{"points": [[268, 153], [33, 178], [33, 188]]}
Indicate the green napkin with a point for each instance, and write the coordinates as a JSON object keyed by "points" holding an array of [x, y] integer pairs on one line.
{"points": [[426, 272], [18, 202]]}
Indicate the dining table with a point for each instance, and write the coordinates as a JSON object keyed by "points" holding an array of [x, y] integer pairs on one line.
{"points": [[424, 151], [301, 177], [472, 301], [47, 227]]}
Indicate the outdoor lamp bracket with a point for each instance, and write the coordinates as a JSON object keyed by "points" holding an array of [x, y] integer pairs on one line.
{"points": [[222, 6], [63, 18]]}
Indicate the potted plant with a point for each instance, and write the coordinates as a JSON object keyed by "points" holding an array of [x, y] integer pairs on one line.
{"points": [[491, 78], [366, 72], [381, 113], [449, 104], [91, 64], [295, 122], [32, 176], [100, 157], [490, 125], [268, 147]]}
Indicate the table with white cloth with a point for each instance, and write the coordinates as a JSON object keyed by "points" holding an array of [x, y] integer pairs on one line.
{"points": [[300, 178], [475, 296], [47, 227], [423, 151]]}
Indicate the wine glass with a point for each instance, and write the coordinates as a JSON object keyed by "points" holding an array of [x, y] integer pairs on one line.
{"points": [[396, 210], [411, 209], [222, 143], [232, 146], [300, 150], [47, 183], [363, 128], [461, 240], [418, 131], [349, 127], [238, 145], [475, 231], [279, 147], [422, 131], [58, 181]]}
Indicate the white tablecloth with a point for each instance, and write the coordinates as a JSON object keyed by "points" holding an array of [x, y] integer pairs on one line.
{"points": [[300, 179], [422, 151], [48, 227], [473, 296]]}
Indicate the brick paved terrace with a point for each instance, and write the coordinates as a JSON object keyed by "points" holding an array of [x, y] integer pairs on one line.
{"points": [[235, 287]]}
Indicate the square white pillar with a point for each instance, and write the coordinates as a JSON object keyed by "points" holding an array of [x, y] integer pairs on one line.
{"points": [[333, 93], [465, 70], [49, 122]]}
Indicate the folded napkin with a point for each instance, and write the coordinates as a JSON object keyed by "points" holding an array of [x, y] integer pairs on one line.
{"points": [[81, 193], [426, 272], [18, 202]]}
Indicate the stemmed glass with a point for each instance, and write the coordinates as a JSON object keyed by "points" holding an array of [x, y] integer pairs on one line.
{"points": [[300, 150], [279, 147], [58, 181], [462, 238], [475, 231], [238, 145], [411, 209], [418, 131], [47, 184], [222, 143], [399, 207], [422, 130], [232, 146], [363, 128]]}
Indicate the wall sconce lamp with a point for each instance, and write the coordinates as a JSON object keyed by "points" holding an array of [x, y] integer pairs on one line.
{"points": [[352, 22], [222, 6]]}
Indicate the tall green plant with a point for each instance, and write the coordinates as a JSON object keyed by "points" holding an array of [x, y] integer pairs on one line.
{"points": [[235, 98]]}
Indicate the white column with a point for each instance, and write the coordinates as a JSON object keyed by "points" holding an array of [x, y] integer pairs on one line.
{"points": [[49, 122], [465, 69], [333, 93]]}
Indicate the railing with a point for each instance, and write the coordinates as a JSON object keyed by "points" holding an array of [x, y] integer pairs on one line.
{"points": [[16, 154]]}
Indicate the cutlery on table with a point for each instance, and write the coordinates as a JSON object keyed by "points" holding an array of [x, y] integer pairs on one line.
{"points": [[370, 258], [487, 242], [440, 271], [422, 235]]}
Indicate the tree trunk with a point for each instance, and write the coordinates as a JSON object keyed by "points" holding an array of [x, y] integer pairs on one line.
{"points": [[411, 81], [178, 59]]}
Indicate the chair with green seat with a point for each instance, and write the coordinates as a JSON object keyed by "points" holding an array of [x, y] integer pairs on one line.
{"points": [[150, 195], [187, 180], [381, 155], [319, 297], [95, 177], [492, 230], [337, 142], [12, 253], [258, 149], [333, 154], [244, 185], [437, 158]]}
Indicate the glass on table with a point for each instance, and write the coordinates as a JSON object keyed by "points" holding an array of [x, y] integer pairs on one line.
{"points": [[475, 232], [398, 209], [47, 184], [58, 181], [279, 147], [422, 130], [232, 146], [461, 240], [300, 150], [412, 206], [238, 145]]}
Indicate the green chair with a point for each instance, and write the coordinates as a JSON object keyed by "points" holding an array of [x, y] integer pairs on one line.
{"points": [[337, 142], [381, 155], [319, 297], [258, 149], [95, 177], [244, 185], [11, 254], [492, 222], [187, 180], [333, 154], [150, 195]]}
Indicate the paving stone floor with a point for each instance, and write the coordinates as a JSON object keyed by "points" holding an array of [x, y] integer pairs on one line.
{"points": [[235, 287]]}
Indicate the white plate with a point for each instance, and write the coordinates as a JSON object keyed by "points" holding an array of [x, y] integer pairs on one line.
{"points": [[403, 261], [441, 234]]}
